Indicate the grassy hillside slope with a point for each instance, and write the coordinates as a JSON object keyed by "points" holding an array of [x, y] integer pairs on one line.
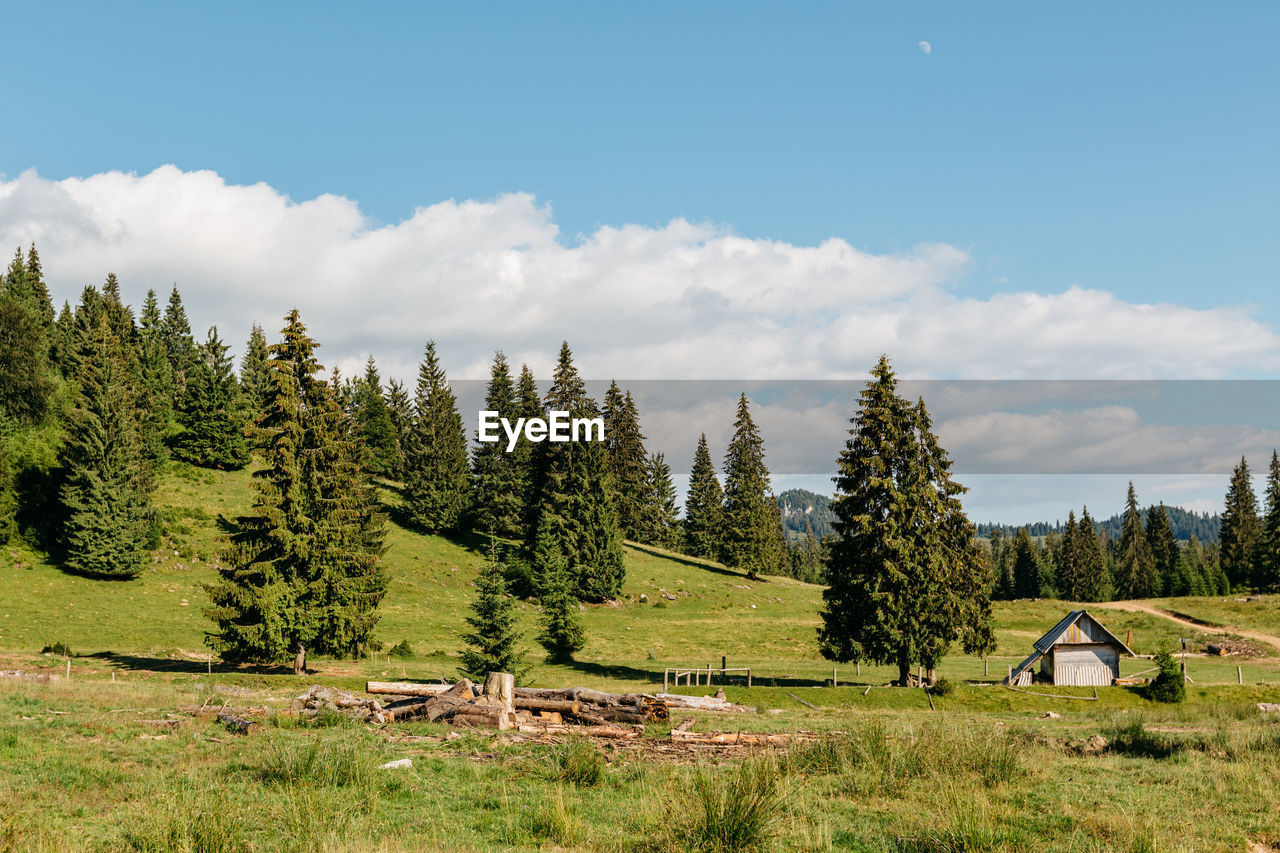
{"points": [[674, 611]]}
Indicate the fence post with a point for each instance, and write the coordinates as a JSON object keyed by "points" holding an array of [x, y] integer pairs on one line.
{"points": [[748, 677], [68, 669], [834, 683], [666, 673], [986, 667], [1239, 676]]}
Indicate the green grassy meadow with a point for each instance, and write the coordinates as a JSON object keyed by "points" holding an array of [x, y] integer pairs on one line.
{"points": [[81, 770]]}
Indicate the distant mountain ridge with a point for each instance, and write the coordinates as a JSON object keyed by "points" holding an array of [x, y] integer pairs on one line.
{"points": [[803, 509], [1204, 526]]}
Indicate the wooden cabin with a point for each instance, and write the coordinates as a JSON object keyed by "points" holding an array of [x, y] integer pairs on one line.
{"points": [[1078, 651]]}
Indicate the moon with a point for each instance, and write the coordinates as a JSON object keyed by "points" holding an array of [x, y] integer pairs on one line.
{"points": [[925, 47]]}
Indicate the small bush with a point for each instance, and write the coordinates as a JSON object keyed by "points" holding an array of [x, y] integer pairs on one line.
{"points": [[734, 809], [401, 649], [1168, 685], [942, 687], [577, 762], [59, 648]]}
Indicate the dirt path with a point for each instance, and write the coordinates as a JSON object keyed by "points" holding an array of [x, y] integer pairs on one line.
{"points": [[1143, 607]]}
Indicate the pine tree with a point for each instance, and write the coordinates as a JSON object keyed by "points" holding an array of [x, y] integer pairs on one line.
{"points": [[497, 476], [119, 317], [526, 461], [26, 385], [62, 340], [255, 371], [904, 575], [561, 635], [373, 420], [105, 495], [1068, 578], [1165, 552], [438, 476], [1241, 529], [1135, 571], [1095, 575], [180, 347], [576, 496], [1266, 562], [493, 639], [703, 506], [213, 432], [660, 525], [400, 407], [1027, 565], [303, 572], [748, 522], [628, 461], [39, 289], [156, 397]]}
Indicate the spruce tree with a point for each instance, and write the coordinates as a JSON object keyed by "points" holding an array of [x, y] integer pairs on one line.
{"points": [[905, 578], [493, 639], [576, 496], [1069, 582], [255, 372], [748, 522], [497, 477], [303, 571], [39, 289], [1135, 571], [526, 461], [1266, 562], [400, 407], [106, 490], [377, 430], [628, 461], [561, 634], [703, 506], [660, 524], [1027, 565], [1095, 575], [26, 384], [212, 429], [437, 477], [180, 347], [1165, 552], [1241, 529], [156, 398]]}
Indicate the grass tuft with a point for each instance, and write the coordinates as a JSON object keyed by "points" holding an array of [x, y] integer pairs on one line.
{"points": [[734, 808]]}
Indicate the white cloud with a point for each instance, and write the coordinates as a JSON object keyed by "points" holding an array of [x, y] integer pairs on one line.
{"points": [[925, 47], [682, 301]]}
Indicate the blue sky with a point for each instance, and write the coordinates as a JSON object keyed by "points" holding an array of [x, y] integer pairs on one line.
{"points": [[1129, 147], [685, 191]]}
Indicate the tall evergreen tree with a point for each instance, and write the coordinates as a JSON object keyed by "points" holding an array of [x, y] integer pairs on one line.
{"points": [[561, 633], [1135, 571], [526, 461], [660, 524], [156, 397], [400, 407], [576, 496], [255, 371], [1095, 575], [493, 641], [628, 461], [212, 429], [1241, 529], [303, 571], [179, 345], [1266, 563], [437, 476], [1069, 582], [1028, 565], [703, 506], [498, 478], [106, 491], [26, 382], [904, 575], [39, 289], [377, 430], [1165, 552], [748, 524]]}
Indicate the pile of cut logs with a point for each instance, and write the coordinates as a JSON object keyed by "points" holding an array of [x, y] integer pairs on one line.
{"points": [[499, 704]]}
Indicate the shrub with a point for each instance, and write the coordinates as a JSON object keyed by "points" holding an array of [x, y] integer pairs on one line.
{"points": [[734, 809], [577, 761], [942, 687], [401, 649], [1168, 685], [59, 648], [1135, 740]]}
